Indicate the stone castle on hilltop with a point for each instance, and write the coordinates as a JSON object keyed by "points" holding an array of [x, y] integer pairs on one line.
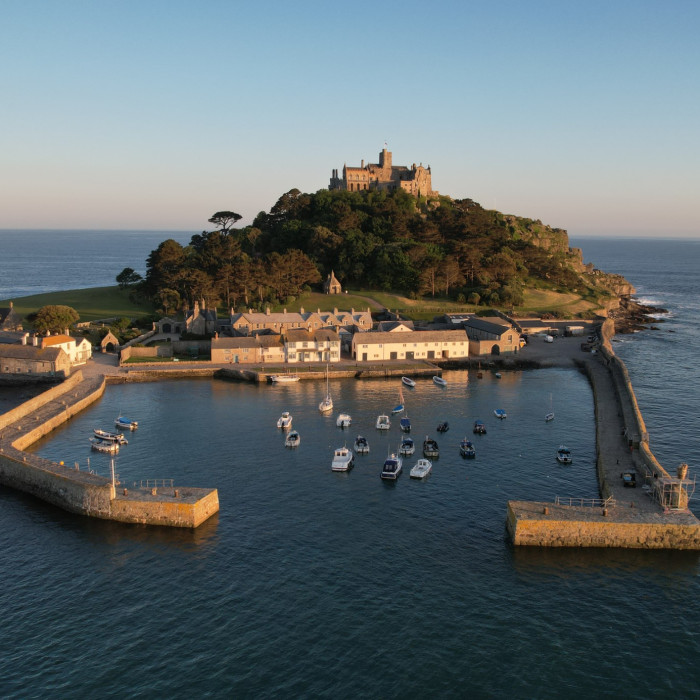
{"points": [[415, 180]]}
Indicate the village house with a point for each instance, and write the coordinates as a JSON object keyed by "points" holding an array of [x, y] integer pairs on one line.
{"points": [[199, 320], [79, 350], [10, 320], [322, 345], [491, 336], [34, 360], [281, 322], [410, 345], [258, 349]]}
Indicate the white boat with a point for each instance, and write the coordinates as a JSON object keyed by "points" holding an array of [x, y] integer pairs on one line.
{"points": [[430, 448], [500, 413], [421, 469], [284, 378], [466, 449], [105, 446], [439, 381], [110, 437], [342, 460], [383, 423], [285, 421], [408, 381], [293, 439], [497, 375], [361, 445], [344, 420], [326, 406], [392, 468], [549, 416], [407, 447], [126, 423], [564, 455]]}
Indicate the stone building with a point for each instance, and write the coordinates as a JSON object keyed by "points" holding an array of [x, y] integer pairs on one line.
{"points": [[34, 360], [199, 320], [254, 322], [248, 350], [10, 320], [491, 336], [331, 285], [415, 180], [410, 345]]}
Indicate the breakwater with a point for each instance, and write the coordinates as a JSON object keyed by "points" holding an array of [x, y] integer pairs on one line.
{"points": [[81, 491]]}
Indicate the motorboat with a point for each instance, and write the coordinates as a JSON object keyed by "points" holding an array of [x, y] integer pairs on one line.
{"points": [[284, 378], [408, 381], [549, 417], [344, 420], [405, 424], [497, 375], [430, 448], [326, 406], [342, 460], [466, 449], [285, 421], [479, 427], [383, 423], [110, 437], [500, 413], [392, 468], [407, 447], [421, 469], [564, 455], [361, 445], [293, 439], [106, 446], [443, 427], [439, 381], [126, 423]]}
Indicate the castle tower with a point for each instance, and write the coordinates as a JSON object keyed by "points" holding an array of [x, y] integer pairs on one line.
{"points": [[385, 159]]}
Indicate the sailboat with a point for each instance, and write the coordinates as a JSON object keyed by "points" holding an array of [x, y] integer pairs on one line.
{"points": [[550, 415], [400, 406], [327, 404]]}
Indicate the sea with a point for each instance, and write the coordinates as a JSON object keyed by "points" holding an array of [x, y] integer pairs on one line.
{"points": [[314, 584]]}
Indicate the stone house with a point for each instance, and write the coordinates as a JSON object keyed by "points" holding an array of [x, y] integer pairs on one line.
{"points": [[167, 325], [410, 345], [491, 336], [254, 321], [257, 349], [312, 346], [10, 320], [199, 320], [34, 360], [331, 285]]}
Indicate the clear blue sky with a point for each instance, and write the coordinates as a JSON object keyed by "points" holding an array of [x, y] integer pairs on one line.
{"points": [[154, 114]]}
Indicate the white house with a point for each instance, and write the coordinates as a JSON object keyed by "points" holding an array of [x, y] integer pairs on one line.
{"points": [[312, 346], [79, 350], [410, 345]]}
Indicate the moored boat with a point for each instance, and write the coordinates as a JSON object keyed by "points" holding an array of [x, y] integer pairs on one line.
{"points": [[342, 460], [500, 413], [284, 378], [405, 424], [392, 468], [408, 381], [421, 469], [479, 427], [326, 406], [430, 448], [344, 420], [285, 421], [361, 445], [126, 423], [383, 423], [466, 449], [110, 437], [443, 427], [293, 439], [549, 417], [564, 455], [439, 381], [106, 446], [407, 447]]}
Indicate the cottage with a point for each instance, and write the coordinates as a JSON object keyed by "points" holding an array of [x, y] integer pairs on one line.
{"points": [[258, 349], [410, 345], [34, 360], [79, 350], [312, 346]]}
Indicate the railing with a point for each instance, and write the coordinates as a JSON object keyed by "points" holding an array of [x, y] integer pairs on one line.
{"points": [[153, 483], [586, 502]]}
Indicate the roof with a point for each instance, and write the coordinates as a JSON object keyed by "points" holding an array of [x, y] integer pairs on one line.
{"points": [[31, 352], [373, 337], [248, 341], [301, 334], [57, 340]]}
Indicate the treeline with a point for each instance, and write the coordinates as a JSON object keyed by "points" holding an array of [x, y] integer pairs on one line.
{"points": [[379, 240]]}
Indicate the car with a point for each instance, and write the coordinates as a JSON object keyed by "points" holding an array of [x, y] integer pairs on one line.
{"points": [[629, 479]]}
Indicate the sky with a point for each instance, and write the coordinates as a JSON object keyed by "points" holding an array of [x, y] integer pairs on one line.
{"points": [[155, 114]]}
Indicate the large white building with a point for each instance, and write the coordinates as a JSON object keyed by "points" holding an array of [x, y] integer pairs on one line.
{"points": [[410, 345]]}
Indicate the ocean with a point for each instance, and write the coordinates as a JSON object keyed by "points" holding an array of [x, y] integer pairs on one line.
{"points": [[321, 585]]}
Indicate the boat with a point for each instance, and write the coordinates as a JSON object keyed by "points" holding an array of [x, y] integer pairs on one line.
{"points": [[407, 447], [106, 446], [326, 406], [439, 381], [408, 381], [383, 423], [392, 468], [443, 427], [421, 469], [564, 455], [405, 424], [342, 460], [284, 421], [479, 427], [497, 375], [549, 416], [293, 439], [284, 378], [361, 445], [400, 406], [466, 449], [500, 413], [344, 420], [430, 448], [126, 423], [110, 437]]}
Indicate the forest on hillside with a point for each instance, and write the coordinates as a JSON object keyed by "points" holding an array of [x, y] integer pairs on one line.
{"points": [[372, 240]]}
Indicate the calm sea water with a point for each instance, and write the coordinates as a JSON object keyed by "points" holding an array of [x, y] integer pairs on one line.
{"points": [[315, 584]]}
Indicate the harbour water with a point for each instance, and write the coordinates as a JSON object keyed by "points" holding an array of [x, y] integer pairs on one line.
{"points": [[310, 583]]}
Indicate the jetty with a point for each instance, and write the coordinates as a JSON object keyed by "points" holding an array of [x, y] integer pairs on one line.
{"points": [[652, 514]]}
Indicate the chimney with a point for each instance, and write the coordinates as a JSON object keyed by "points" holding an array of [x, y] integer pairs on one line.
{"points": [[267, 311], [352, 311], [301, 310], [204, 304], [24, 337], [11, 304], [35, 340], [335, 312], [362, 163], [285, 311]]}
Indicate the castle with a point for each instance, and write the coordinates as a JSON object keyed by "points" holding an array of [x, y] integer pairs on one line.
{"points": [[415, 180]]}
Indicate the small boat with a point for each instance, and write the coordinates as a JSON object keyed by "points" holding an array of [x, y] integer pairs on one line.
{"points": [[106, 446], [400, 406], [500, 413], [383, 423], [361, 445], [126, 423], [284, 378], [408, 381], [405, 424], [443, 427], [430, 448], [421, 469], [285, 421], [466, 449], [479, 427], [549, 416], [407, 447], [293, 439], [326, 406], [439, 381], [110, 437], [564, 455], [497, 375], [344, 420], [342, 460], [392, 468]]}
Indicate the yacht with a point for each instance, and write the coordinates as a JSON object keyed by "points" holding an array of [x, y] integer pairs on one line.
{"points": [[326, 406], [284, 378], [285, 421], [421, 469], [564, 455], [383, 423], [342, 460], [407, 447], [361, 445], [392, 468], [293, 439]]}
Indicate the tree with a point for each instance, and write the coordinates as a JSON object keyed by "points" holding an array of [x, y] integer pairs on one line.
{"points": [[225, 220], [55, 318], [127, 277]]}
